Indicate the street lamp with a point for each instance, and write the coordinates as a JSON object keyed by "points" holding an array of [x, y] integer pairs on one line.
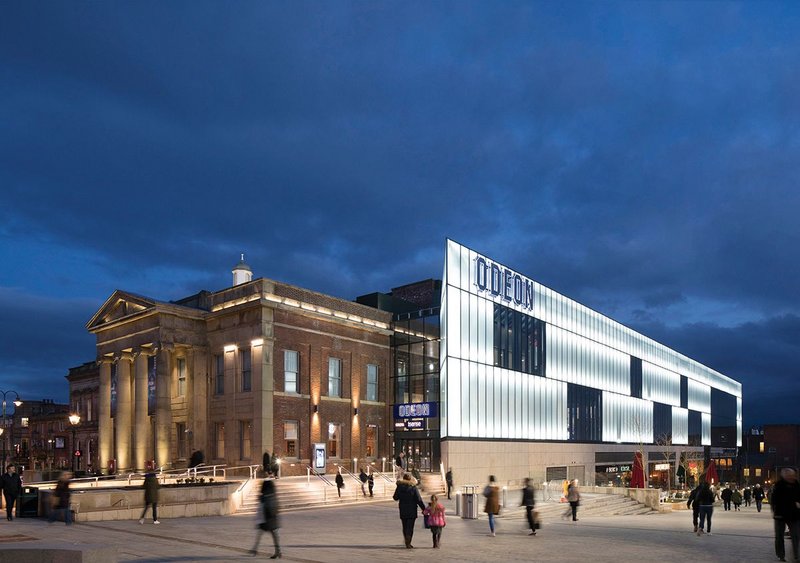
{"points": [[74, 420], [17, 402]]}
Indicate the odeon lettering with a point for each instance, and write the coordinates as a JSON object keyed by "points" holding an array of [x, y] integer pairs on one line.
{"points": [[502, 282]]}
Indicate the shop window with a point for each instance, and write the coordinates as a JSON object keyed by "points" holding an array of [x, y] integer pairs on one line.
{"points": [[290, 432], [334, 439], [372, 440]]}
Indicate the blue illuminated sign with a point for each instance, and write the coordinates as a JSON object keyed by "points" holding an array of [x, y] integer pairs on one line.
{"points": [[416, 410]]}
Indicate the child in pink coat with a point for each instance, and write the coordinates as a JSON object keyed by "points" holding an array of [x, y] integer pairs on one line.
{"points": [[434, 513]]}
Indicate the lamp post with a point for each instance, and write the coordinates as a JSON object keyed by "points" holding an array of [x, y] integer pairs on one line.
{"points": [[74, 420], [4, 434]]}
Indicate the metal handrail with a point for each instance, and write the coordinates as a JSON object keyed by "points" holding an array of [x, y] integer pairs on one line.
{"points": [[355, 477], [384, 476], [310, 471]]}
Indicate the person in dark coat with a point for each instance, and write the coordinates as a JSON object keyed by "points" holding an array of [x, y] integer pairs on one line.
{"points": [[758, 496], [409, 499], [726, 495], [62, 495], [266, 463], [363, 477], [528, 502], [705, 498], [339, 482], [150, 497], [270, 523], [747, 494], [370, 483], [448, 477], [692, 503], [12, 487], [196, 459], [785, 504]]}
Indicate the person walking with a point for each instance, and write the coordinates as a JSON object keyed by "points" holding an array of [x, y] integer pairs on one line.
{"points": [[434, 512], [61, 496], [747, 494], [408, 497], [150, 496], [339, 482], [694, 505], [363, 477], [270, 522], [574, 499], [785, 504], [370, 483], [448, 479], [726, 498], [529, 502], [12, 486], [705, 498], [492, 506], [736, 498], [758, 496], [196, 459]]}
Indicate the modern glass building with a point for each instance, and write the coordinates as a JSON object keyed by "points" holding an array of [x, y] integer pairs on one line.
{"points": [[535, 384]]}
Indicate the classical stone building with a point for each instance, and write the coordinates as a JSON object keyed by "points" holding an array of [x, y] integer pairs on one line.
{"points": [[261, 366]]}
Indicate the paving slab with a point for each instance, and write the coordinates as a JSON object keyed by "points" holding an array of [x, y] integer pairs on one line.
{"points": [[372, 532]]}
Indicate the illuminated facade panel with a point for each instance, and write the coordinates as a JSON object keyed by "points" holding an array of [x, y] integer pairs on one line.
{"points": [[699, 396], [680, 426], [662, 385]]}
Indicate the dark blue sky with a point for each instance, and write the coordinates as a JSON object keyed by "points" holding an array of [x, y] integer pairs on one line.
{"points": [[639, 157]]}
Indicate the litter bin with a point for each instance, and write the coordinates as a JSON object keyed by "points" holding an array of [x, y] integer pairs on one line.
{"points": [[469, 502], [28, 502]]}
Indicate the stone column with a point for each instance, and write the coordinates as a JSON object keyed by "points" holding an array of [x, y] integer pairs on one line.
{"points": [[164, 366], [141, 422], [104, 427], [122, 420]]}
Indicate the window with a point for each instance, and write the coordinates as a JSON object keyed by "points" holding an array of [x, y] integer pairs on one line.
{"points": [[334, 439], [291, 364], [24, 421], [245, 432], [219, 440], [758, 472], [518, 341], [244, 356], [372, 440], [181, 377], [180, 442], [747, 472], [290, 435], [761, 447], [334, 377], [219, 374], [372, 382]]}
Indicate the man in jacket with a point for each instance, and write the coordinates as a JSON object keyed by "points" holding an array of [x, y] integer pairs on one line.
{"points": [[726, 497], [150, 497], [528, 502], [448, 477], [694, 505], [409, 499], [758, 496], [785, 503], [12, 486]]}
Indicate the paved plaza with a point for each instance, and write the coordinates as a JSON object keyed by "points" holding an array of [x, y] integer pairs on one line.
{"points": [[371, 532]]}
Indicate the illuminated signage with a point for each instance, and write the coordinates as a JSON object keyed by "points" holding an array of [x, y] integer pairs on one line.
{"points": [[408, 424], [415, 410], [662, 466], [618, 468], [499, 281]]}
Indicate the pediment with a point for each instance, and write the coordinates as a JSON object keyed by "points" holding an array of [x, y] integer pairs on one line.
{"points": [[119, 306]]}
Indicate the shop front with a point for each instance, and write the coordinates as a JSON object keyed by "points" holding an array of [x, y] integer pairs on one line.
{"points": [[613, 475]]}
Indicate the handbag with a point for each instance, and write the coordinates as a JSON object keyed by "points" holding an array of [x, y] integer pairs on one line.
{"points": [[426, 521]]}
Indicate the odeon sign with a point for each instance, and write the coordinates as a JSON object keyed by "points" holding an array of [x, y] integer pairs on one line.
{"points": [[503, 283]]}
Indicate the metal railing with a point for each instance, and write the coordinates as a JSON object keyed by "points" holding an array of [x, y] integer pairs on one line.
{"points": [[311, 471]]}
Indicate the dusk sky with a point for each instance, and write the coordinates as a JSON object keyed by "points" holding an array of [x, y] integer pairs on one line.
{"points": [[640, 157]]}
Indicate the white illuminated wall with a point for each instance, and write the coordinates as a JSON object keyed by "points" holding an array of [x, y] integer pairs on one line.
{"points": [[581, 346]]}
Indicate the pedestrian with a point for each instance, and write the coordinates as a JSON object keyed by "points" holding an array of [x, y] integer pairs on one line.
{"points": [[448, 478], [150, 496], [785, 504], [564, 490], [736, 498], [265, 463], [694, 505], [196, 459], [12, 487], [370, 482], [726, 497], [434, 514], [270, 522], [574, 499], [758, 496], [528, 502], [339, 482], [492, 506], [61, 496], [409, 499], [747, 494], [705, 498], [400, 461], [363, 477]]}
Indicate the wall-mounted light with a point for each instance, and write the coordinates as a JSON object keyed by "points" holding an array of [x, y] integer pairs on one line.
{"points": [[316, 409], [257, 342], [355, 411], [229, 348]]}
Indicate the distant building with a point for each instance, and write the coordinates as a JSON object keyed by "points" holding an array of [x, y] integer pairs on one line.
{"points": [[84, 393], [40, 438], [767, 450]]}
